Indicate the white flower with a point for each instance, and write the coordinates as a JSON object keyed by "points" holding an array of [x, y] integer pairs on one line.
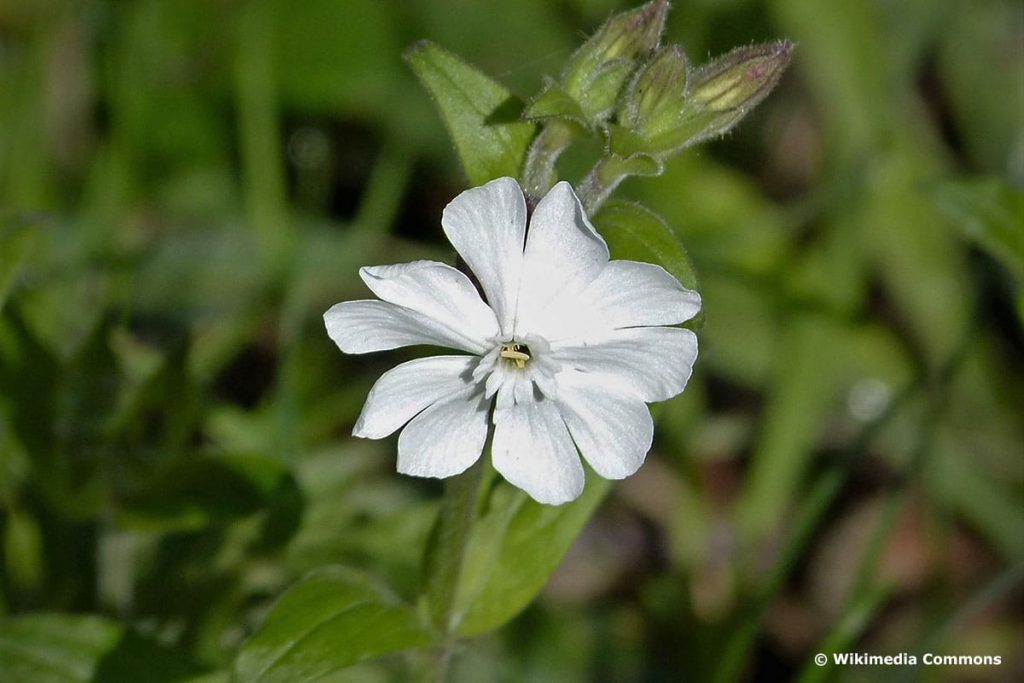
{"points": [[568, 346]]}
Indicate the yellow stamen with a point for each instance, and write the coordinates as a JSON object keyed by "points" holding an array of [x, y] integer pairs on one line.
{"points": [[514, 353]]}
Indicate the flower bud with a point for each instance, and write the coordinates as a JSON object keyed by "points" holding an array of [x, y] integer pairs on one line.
{"points": [[740, 79], [669, 106], [655, 97], [597, 72]]}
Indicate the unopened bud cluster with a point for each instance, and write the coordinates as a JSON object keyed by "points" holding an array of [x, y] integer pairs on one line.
{"points": [[593, 79], [648, 102]]}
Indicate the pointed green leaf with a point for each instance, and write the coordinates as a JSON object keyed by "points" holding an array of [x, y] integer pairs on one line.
{"points": [[60, 648], [481, 115], [328, 621], [514, 549], [989, 211]]}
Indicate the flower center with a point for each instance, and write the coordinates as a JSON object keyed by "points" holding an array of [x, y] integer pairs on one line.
{"points": [[516, 353], [519, 366]]}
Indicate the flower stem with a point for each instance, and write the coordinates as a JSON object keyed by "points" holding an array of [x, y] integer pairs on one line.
{"points": [[602, 180], [446, 555], [539, 171]]}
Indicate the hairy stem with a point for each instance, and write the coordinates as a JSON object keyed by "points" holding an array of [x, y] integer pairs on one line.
{"points": [[539, 171]]}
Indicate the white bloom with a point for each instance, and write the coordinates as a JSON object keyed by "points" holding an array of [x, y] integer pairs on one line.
{"points": [[568, 346]]}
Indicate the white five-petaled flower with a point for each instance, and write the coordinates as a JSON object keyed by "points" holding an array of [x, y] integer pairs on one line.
{"points": [[568, 347]]}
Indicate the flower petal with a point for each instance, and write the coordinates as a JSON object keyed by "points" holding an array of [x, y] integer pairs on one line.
{"points": [[634, 294], [532, 449], [439, 292], [655, 361], [487, 226], [370, 325], [447, 437], [611, 425], [402, 392], [563, 255]]}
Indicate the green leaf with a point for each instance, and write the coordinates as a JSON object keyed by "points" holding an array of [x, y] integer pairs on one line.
{"points": [[797, 405], [52, 648], [481, 115], [515, 548], [196, 491], [330, 620], [23, 549], [16, 237], [636, 233], [990, 212], [983, 502]]}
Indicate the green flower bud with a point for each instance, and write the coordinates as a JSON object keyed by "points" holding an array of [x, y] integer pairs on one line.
{"points": [[724, 91], [669, 106], [740, 79], [597, 72], [655, 97]]}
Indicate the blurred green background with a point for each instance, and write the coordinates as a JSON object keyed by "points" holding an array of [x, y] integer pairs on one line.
{"points": [[186, 186]]}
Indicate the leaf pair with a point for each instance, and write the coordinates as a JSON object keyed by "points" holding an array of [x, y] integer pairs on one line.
{"points": [[336, 617]]}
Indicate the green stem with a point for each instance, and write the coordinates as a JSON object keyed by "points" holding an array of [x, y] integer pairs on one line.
{"points": [[447, 555], [539, 171]]}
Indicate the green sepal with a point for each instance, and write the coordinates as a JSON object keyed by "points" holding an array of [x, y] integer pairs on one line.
{"points": [[640, 163], [601, 93], [554, 103], [623, 142]]}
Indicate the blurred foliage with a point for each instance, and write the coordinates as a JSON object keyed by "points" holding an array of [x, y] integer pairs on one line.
{"points": [[185, 187]]}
